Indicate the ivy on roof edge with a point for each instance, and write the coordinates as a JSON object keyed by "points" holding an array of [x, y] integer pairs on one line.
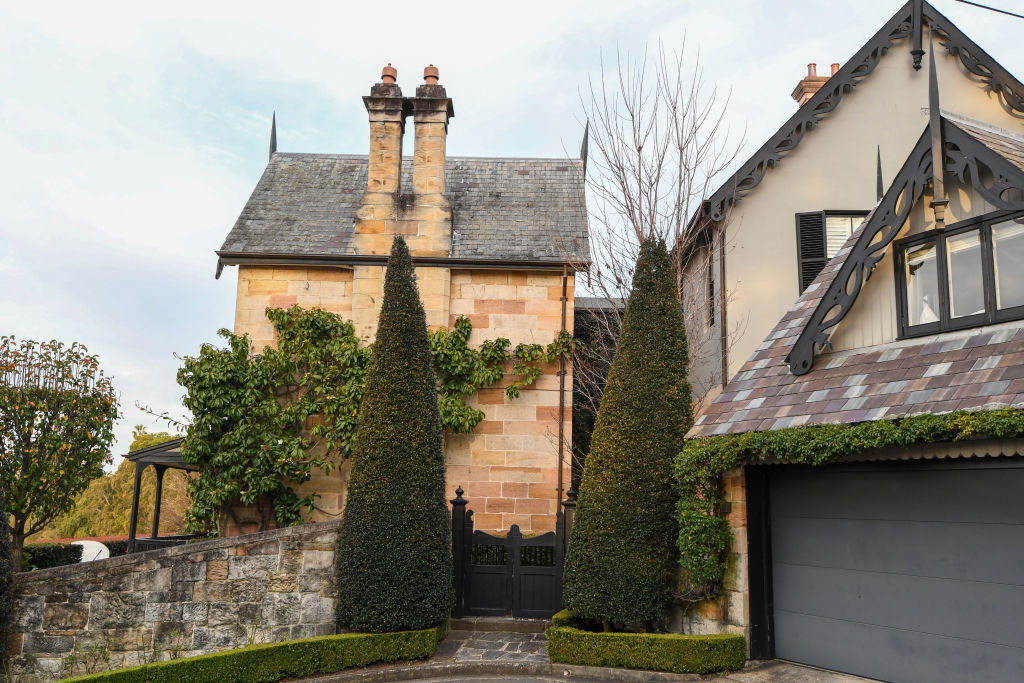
{"points": [[704, 533]]}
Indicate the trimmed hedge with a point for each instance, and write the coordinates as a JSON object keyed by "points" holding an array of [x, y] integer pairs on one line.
{"points": [[46, 555], [622, 558], [277, 661], [117, 548], [394, 560], [653, 651]]}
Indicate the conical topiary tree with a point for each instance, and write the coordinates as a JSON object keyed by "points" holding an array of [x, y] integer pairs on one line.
{"points": [[622, 555], [394, 553]]}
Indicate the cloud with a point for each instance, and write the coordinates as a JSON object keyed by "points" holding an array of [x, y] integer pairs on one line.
{"points": [[132, 133]]}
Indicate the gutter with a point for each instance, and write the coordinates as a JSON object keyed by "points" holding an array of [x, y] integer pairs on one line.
{"points": [[234, 258]]}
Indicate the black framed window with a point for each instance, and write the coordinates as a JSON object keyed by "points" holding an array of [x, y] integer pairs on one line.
{"points": [[970, 274], [819, 236]]}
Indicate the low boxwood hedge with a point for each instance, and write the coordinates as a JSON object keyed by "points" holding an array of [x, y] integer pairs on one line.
{"points": [[276, 661], [46, 555], [654, 651]]}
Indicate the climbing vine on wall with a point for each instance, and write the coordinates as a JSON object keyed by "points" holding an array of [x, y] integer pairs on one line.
{"points": [[704, 534], [262, 420]]}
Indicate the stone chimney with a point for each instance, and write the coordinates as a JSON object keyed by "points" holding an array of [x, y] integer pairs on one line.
{"points": [[811, 83], [432, 110], [421, 213]]}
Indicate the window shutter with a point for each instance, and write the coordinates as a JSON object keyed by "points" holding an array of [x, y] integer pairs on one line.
{"points": [[810, 245]]}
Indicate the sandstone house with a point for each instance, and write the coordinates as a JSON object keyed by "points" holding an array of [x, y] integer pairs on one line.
{"points": [[495, 239]]}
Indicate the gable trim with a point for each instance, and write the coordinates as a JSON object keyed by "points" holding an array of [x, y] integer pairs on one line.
{"points": [[976, 61], [963, 157]]}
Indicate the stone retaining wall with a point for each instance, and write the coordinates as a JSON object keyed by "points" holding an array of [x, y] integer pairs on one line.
{"points": [[186, 600]]}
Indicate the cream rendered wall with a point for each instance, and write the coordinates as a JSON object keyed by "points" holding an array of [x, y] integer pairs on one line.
{"points": [[873, 318], [834, 168]]}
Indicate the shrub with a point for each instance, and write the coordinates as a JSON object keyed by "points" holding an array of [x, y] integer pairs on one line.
{"points": [[564, 618], [656, 651], [277, 661], [46, 555], [622, 554], [394, 550], [117, 548]]}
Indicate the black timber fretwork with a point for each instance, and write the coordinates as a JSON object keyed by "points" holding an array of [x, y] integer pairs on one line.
{"points": [[505, 575], [964, 158], [981, 67]]}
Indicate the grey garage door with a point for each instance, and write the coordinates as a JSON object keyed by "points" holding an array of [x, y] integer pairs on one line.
{"points": [[910, 571]]}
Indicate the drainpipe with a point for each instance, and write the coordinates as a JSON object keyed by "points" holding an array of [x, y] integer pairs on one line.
{"points": [[722, 301], [561, 388]]}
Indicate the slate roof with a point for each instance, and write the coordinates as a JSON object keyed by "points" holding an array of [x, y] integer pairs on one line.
{"points": [[969, 369], [508, 209]]}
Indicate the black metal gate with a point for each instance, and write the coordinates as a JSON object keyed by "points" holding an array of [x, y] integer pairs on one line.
{"points": [[505, 575]]}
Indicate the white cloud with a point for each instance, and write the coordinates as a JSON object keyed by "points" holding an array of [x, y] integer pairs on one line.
{"points": [[132, 133]]}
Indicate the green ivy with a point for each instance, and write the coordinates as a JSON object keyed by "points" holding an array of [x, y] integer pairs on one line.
{"points": [[261, 420], [704, 534]]}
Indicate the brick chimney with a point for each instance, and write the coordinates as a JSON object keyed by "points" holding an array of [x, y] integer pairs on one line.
{"points": [[811, 83]]}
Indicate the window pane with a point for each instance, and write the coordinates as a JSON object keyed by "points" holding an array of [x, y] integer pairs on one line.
{"points": [[966, 281], [837, 230], [922, 285], [1008, 253]]}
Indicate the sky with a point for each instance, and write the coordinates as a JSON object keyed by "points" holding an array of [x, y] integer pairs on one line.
{"points": [[131, 134]]}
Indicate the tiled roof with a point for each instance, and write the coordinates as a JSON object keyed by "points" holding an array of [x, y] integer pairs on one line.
{"points": [[977, 368], [515, 209], [1005, 143]]}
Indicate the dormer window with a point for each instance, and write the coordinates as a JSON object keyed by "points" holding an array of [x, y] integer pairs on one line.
{"points": [[819, 236], [970, 274]]}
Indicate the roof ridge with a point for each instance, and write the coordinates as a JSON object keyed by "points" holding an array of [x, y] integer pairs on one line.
{"points": [[364, 157]]}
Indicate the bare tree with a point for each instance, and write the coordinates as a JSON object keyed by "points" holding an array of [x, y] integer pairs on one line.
{"points": [[657, 142]]}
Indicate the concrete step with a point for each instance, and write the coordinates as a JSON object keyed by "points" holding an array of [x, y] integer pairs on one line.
{"points": [[503, 624]]}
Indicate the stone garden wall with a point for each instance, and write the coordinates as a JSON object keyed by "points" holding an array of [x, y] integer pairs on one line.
{"points": [[187, 600]]}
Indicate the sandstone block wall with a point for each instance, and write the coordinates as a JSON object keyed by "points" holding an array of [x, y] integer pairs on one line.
{"points": [[181, 601], [730, 611], [508, 466], [260, 287]]}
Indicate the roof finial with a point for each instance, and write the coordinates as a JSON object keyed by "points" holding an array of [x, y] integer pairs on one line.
{"points": [[273, 134], [916, 28], [583, 147], [939, 199], [879, 187]]}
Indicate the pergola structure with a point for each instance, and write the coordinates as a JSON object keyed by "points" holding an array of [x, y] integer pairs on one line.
{"points": [[162, 457]]}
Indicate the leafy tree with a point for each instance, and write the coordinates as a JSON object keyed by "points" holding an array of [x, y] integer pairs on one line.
{"points": [[394, 552], [57, 412], [622, 554], [104, 508]]}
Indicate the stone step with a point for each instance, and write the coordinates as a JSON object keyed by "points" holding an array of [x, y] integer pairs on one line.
{"points": [[503, 624]]}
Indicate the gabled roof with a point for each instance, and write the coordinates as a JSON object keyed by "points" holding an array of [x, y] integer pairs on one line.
{"points": [[969, 369], [975, 368], [967, 159], [980, 66], [503, 209]]}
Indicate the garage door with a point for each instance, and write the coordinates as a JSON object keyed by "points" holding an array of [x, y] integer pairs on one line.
{"points": [[910, 571]]}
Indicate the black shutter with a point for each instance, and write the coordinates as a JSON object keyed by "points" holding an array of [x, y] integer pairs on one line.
{"points": [[810, 247]]}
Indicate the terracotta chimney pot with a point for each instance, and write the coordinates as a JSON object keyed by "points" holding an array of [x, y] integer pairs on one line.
{"points": [[430, 75], [389, 74], [835, 68], [812, 70]]}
